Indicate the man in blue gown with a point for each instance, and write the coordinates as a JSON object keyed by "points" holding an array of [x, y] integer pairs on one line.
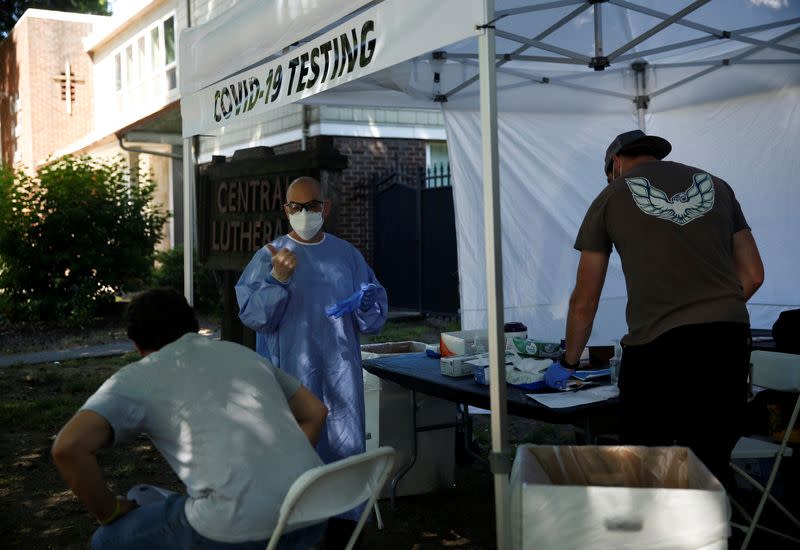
{"points": [[282, 295]]}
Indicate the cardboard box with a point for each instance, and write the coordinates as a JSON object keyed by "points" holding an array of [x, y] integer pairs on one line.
{"points": [[392, 348], [463, 342], [571, 497]]}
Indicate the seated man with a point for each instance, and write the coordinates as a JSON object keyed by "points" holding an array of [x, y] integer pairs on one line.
{"points": [[235, 430]]}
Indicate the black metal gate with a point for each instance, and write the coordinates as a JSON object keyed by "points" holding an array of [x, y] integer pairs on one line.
{"points": [[415, 242]]}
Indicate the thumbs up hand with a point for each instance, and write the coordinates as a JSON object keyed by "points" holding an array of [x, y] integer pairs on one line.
{"points": [[284, 263]]}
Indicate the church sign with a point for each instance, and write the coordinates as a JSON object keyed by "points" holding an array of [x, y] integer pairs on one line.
{"points": [[240, 202]]}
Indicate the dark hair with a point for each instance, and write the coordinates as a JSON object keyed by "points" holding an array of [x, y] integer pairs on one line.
{"points": [[158, 317]]}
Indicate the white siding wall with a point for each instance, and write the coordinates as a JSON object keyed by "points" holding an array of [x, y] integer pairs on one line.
{"points": [[143, 90], [203, 10]]}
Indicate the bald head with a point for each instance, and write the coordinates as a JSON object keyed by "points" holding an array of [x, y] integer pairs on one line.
{"points": [[304, 189]]}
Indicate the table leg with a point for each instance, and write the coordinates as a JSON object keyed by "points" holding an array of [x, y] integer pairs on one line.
{"points": [[468, 435], [410, 464], [415, 430], [587, 430]]}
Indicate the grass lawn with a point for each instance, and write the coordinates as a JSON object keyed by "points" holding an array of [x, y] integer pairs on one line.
{"points": [[37, 509]]}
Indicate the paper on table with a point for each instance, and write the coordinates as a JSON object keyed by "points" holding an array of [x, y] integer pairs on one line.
{"points": [[589, 374], [563, 400]]}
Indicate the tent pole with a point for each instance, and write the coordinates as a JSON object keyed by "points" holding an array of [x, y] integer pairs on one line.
{"points": [[188, 219], [500, 459], [642, 100], [598, 30]]}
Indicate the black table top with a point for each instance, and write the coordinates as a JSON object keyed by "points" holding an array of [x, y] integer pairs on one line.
{"points": [[419, 372]]}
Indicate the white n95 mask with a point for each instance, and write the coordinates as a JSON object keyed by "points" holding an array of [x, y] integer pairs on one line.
{"points": [[306, 224]]}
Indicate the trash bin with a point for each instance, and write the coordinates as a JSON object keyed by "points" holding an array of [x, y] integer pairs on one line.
{"points": [[388, 422], [571, 497]]}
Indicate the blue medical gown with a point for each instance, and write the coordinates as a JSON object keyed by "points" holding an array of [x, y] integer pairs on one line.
{"points": [[296, 335]]}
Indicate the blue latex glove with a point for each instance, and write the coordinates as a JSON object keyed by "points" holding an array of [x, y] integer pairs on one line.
{"points": [[353, 302], [368, 293], [556, 376]]}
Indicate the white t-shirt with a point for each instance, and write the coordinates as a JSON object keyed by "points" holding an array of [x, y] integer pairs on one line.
{"points": [[218, 413]]}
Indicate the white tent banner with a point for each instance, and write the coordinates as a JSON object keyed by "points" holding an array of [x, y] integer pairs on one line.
{"points": [[249, 33], [382, 36]]}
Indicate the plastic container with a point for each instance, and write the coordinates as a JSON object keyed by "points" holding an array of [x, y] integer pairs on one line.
{"points": [[537, 348], [481, 375], [614, 363], [515, 329]]}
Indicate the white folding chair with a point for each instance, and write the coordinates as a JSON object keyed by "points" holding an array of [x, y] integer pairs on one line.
{"points": [[329, 490], [776, 371]]}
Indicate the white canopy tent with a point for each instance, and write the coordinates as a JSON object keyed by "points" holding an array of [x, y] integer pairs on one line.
{"points": [[720, 80]]}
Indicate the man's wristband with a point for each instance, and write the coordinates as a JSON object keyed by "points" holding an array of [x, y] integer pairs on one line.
{"points": [[562, 360], [115, 514]]}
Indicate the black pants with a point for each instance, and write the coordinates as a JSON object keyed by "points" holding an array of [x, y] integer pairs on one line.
{"points": [[688, 387]]}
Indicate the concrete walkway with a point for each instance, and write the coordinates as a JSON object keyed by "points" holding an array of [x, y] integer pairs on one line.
{"points": [[120, 347]]}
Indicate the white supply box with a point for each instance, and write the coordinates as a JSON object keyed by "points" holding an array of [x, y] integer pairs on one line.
{"points": [[463, 342], [388, 422], [569, 497], [459, 365]]}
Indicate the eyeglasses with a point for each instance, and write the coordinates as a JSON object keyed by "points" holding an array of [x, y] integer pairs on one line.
{"points": [[310, 206]]}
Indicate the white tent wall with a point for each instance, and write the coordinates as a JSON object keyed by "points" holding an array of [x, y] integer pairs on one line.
{"points": [[752, 143], [551, 170]]}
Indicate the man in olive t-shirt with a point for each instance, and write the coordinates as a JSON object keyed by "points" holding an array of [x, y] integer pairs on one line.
{"points": [[690, 265]]}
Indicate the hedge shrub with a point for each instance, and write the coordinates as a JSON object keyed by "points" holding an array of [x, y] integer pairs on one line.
{"points": [[168, 272], [72, 237]]}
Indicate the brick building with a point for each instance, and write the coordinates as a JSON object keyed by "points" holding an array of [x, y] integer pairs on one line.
{"points": [[370, 160], [106, 86], [46, 79]]}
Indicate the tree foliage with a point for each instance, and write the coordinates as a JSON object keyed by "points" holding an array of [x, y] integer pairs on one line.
{"points": [[73, 237], [12, 10], [168, 272]]}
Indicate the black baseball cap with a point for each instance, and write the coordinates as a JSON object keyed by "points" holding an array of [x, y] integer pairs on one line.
{"points": [[637, 141]]}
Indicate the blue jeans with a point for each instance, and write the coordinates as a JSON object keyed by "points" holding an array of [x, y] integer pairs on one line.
{"points": [[163, 525]]}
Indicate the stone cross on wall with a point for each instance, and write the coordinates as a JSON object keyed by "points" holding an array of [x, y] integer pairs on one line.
{"points": [[68, 82]]}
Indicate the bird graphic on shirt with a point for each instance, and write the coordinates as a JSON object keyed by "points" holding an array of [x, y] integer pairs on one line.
{"points": [[682, 207]]}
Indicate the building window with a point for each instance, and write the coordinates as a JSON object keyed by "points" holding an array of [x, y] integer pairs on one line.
{"points": [[149, 55], [169, 39], [141, 58], [156, 55], [128, 65], [117, 72], [438, 165]]}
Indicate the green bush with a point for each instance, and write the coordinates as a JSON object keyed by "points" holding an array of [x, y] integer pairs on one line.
{"points": [[72, 237], [168, 272]]}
